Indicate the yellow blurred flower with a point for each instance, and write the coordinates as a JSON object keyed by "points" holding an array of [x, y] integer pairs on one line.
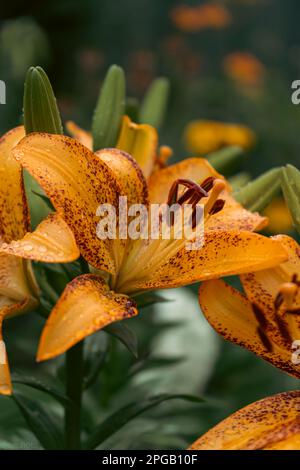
{"points": [[191, 19], [244, 68], [207, 136], [280, 220]]}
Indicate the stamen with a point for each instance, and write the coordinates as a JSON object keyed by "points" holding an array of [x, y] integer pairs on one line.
{"points": [[295, 279], [286, 295], [191, 185], [217, 207], [218, 187], [208, 183], [293, 311], [165, 153]]}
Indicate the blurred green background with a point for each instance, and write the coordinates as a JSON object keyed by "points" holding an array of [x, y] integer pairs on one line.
{"points": [[75, 41]]}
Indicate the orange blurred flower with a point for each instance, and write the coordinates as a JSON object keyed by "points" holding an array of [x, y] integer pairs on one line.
{"points": [[203, 137], [244, 68], [192, 19]]}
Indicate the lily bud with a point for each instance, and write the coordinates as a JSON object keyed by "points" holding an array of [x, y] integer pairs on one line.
{"points": [[290, 181], [154, 105], [41, 113], [257, 194], [109, 110]]}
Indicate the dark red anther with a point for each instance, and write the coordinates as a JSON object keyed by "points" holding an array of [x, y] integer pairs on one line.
{"points": [[217, 207], [208, 183], [295, 280], [278, 301], [192, 188], [293, 311]]}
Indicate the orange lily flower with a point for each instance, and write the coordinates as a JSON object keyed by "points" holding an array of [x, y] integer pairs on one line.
{"points": [[202, 137], [139, 140], [266, 320], [18, 288], [77, 181], [244, 68], [191, 19], [269, 424]]}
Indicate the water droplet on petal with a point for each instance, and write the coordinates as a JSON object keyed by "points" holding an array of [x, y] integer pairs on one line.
{"points": [[27, 247]]}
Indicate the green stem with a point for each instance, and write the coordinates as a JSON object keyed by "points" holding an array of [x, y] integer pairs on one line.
{"points": [[74, 379]]}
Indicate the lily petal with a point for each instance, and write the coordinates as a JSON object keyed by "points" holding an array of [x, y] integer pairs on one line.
{"points": [[132, 184], [128, 174], [84, 137], [77, 182], [51, 242], [223, 254], [231, 315], [271, 423], [5, 380], [14, 218], [262, 288], [140, 141], [85, 306], [160, 182], [234, 217]]}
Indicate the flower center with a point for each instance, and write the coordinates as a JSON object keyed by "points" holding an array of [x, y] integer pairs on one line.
{"points": [[146, 256]]}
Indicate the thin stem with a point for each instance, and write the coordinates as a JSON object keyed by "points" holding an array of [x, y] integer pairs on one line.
{"points": [[74, 379]]}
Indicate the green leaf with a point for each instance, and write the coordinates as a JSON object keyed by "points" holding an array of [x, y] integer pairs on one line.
{"points": [[39, 422], [149, 298], [290, 182], [154, 105], [226, 159], [44, 385], [109, 110], [257, 194], [121, 417], [124, 334], [154, 362], [41, 113], [95, 353]]}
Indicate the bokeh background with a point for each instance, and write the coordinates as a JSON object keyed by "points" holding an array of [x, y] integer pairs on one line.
{"points": [[232, 61]]}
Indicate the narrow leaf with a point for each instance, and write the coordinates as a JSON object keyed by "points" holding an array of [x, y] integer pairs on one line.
{"points": [[95, 353], [41, 384], [154, 105], [124, 334], [121, 417], [257, 194], [109, 110], [39, 422]]}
